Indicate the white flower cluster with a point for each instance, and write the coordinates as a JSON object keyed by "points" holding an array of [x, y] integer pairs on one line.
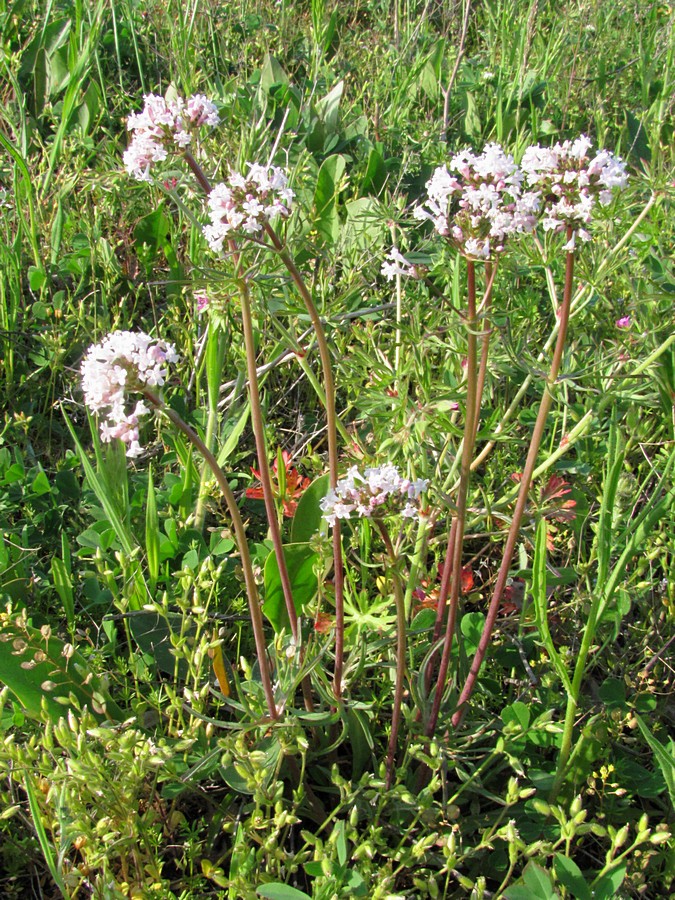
{"points": [[478, 201], [164, 125], [396, 264], [245, 202], [123, 363], [571, 182], [366, 494]]}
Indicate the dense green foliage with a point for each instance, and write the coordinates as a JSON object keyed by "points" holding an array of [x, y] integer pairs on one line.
{"points": [[125, 770]]}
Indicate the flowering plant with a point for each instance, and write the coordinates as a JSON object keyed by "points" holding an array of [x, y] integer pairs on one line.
{"points": [[123, 363], [378, 491], [290, 484], [163, 125], [478, 201], [571, 182], [243, 204]]}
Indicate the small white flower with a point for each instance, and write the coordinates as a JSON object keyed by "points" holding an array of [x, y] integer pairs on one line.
{"points": [[397, 264], [566, 173], [481, 202]]}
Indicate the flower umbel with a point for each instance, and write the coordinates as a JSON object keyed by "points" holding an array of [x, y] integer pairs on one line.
{"points": [[477, 202], [125, 362], [571, 182], [164, 125], [378, 491], [244, 203]]}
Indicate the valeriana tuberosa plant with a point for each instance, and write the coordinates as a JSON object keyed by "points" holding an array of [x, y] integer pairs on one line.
{"points": [[378, 493], [122, 379], [477, 204], [237, 209], [251, 205], [571, 183], [242, 208]]}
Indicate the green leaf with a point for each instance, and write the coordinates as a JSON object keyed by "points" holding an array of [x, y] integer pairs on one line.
{"points": [[665, 759], [607, 887], [272, 74], [308, 520], [540, 599], [518, 892], [639, 148], [376, 173], [96, 484], [326, 219], [153, 632], [281, 892], [471, 627], [153, 230], [538, 881], [64, 588], [232, 441], [360, 740], [300, 560], [45, 677], [37, 278], [569, 875], [45, 844], [517, 712], [328, 107]]}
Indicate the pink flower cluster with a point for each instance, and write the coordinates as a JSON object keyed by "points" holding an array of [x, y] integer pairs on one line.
{"points": [[125, 362], [378, 491], [245, 202], [164, 125], [478, 201], [571, 181]]}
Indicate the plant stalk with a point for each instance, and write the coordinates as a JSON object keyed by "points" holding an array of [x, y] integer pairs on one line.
{"points": [[399, 600], [526, 480], [242, 543], [456, 537], [331, 435]]}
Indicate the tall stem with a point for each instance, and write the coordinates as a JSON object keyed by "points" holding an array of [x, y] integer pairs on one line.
{"points": [[526, 480], [490, 272], [242, 543], [331, 434], [258, 427], [399, 600], [261, 450], [459, 520]]}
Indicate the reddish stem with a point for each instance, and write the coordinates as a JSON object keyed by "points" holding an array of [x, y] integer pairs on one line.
{"points": [[459, 520], [526, 480]]}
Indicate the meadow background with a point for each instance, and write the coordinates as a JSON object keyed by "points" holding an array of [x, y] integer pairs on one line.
{"points": [[179, 791]]}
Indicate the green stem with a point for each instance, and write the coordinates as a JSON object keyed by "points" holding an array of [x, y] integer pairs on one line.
{"points": [[416, 562], [242, 543], [399, 600], [331, 434], [526, 480], [490, 272], [456, 536], [214, 357]]}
